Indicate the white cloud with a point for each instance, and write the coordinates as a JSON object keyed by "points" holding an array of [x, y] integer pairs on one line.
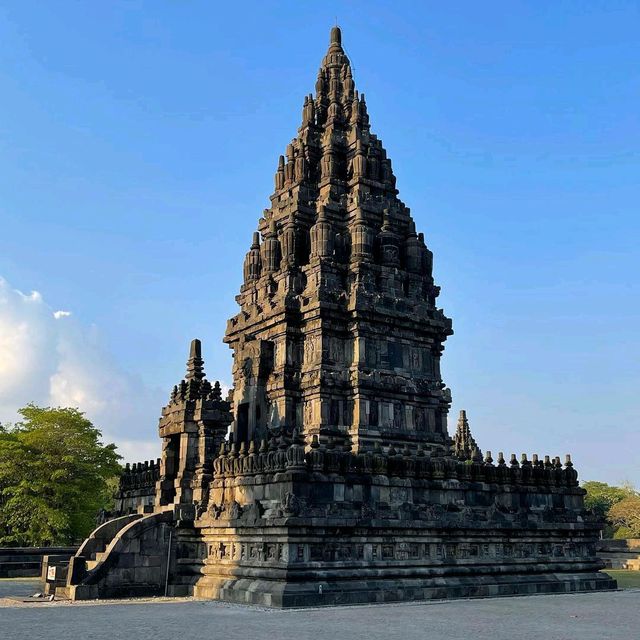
{"points": [[49, 362]]}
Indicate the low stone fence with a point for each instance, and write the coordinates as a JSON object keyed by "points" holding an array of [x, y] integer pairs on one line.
{"points": [[620, 554], [26, 562]]}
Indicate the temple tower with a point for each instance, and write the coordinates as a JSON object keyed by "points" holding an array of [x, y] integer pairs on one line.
{"points": [[192, 425], [338, 333], [340, 484]]}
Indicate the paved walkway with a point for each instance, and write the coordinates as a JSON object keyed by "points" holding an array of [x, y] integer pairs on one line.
{"points": [[598, 616]]}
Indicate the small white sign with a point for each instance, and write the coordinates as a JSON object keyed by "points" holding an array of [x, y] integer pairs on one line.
{"points": [[51, 573]]}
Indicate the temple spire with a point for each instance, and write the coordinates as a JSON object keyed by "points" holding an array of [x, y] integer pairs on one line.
{"points": [[335, 58], [195, 363], [464, 445]]}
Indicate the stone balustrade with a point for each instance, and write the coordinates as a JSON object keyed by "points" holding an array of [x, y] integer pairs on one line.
{"points": [[140, 475], [290, 454], [137, 487]]}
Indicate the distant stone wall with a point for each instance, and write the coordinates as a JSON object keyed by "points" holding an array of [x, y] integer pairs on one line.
{"points": [[137, 487], [620, 554], [26, 562]]}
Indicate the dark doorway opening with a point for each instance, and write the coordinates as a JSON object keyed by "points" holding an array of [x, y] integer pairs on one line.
{"points": [[242, 423]]}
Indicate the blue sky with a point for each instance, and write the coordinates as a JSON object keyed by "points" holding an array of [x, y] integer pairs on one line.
{"points": [[138, 142]]}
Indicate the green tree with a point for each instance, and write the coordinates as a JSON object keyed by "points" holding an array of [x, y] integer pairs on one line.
{"points": [[602, 497], [55, 475], [626, 516]]}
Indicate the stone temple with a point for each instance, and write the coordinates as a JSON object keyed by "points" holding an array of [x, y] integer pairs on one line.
{"points": [[328, 476]]}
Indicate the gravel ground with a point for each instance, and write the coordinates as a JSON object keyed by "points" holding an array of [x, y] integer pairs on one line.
{"points": [[588, 616]]}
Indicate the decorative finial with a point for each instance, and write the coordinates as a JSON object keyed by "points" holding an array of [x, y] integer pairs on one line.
{"points": [[336, 35], [195, 362]]}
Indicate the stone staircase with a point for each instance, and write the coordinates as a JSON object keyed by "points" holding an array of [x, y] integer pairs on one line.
{"points": [[124, 557], [92, 552], [620, 554]]}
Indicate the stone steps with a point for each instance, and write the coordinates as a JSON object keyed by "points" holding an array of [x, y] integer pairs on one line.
{"points": [[96, 560], [62, 593], [125, 558]]}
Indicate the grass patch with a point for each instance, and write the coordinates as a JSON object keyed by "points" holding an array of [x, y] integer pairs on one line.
{"points": [[626, 579]]}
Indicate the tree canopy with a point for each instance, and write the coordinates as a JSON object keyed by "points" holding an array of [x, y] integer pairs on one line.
{"points": [[55, 475], [625, 515], [619, 506]]}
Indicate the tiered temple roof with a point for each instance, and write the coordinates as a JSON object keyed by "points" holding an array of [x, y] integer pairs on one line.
{"points": [[338, 333]]}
